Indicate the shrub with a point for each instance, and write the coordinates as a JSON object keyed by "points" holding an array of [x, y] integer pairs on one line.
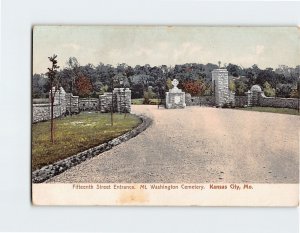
{"points": [[148, 95]]}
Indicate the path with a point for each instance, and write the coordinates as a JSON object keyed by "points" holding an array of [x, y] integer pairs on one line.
{"points": [[197, 145]]}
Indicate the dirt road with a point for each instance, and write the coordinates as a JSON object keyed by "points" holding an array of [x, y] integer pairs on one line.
{"points": [[198, 145]]}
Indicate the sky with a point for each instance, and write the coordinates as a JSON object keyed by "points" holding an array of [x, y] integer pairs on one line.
{"points": [[163, 45]]}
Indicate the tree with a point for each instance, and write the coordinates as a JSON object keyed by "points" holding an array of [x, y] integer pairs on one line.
{"points": [[169, 84], [240, 87], [233, 70], [268, 90], [284, 90], [84, 86], [40, 86], [193, 87], [148, 95], [71, 74], [54, 83], [103, 89], [295, 93], [73, 63], [231, 85], [140, 77]]}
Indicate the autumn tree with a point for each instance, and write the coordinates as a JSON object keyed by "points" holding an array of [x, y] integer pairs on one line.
{"points": [[83, 86], [194, 87], [54, 82]]}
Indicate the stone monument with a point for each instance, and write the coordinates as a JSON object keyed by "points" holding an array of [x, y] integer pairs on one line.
{"points": [[175, 97]]}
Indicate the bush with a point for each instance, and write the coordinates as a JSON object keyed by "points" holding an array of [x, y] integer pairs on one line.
{"points": [[146, 100], [148, 95]]}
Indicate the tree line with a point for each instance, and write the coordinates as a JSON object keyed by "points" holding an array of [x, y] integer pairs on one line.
{"points": [[153, 81]]}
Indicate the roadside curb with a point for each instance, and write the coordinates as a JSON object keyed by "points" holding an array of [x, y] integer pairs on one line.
{"points": [[49, 171]]}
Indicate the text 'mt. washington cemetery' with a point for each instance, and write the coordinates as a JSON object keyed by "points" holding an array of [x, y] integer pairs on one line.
{"points": [[165, 104]]}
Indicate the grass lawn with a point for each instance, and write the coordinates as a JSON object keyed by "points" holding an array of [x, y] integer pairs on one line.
{"points": [[75, 134], [140, 101], [273, 110]]}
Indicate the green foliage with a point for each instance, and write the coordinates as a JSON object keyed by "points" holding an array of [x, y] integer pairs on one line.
{"points": [[233, 70], [169, 84], [40, 86], [103, 89], [284, 90], [141, 101], [295, 93], [272, 110], [75, 134], [148, 95], [208, 90], [268, 90], [137, 101], [232, 85], [240, 87], [138, 78]]}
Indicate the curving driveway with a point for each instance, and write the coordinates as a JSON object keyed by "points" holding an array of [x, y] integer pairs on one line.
{"points": [[199, 144]]}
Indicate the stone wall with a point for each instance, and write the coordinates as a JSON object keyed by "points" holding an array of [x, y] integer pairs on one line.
{"points": [[231, 98], [241, 101], [105, 101], [199, 100], [42, 112], [66, 103], [256, 97], [72, 103], [264, 101], [88, 104]]}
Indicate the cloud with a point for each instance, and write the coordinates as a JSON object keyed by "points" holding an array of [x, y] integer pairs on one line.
{"points": [[259, 49], [72, 46]]}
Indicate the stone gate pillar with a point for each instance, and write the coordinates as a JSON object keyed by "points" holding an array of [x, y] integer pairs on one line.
{"points": [[221, 89], [122, 100], [256, 92]]}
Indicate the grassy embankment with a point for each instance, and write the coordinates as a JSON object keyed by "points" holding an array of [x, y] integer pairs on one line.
{"points": [[75, 134], [140, 101], [272, 110]]}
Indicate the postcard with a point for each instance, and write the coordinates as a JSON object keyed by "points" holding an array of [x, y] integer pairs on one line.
{"points": [[165, 115]]}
